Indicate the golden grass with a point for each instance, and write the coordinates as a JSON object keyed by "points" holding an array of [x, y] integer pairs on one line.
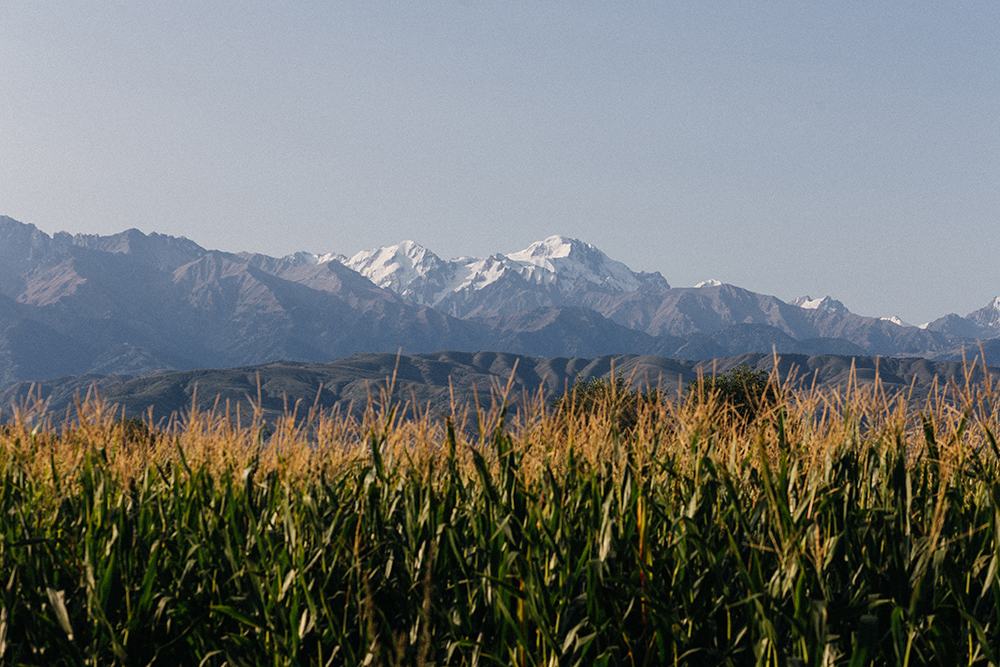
{"points": [[836, 527], [305, 443]]}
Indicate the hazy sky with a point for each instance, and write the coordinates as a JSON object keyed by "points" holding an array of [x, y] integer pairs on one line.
{"points": [[848, 148]]}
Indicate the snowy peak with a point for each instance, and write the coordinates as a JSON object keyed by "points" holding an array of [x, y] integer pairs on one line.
{"points": [[827, 304], [309, 258], [417, 274], [475, 274], [404, 256], [554, 247], [397, 267], [898, 322], [830, 305], [711, 282], [988, 315], [980, 324], [564, 260]]}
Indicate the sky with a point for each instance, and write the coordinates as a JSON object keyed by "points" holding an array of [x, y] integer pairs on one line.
{"points": [[791, 148]]}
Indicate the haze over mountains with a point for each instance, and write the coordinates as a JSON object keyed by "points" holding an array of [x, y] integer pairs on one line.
{"points": [[132, 303]]}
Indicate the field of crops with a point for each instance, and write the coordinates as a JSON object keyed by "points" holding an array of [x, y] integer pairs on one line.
{"points": [[842, 528]]}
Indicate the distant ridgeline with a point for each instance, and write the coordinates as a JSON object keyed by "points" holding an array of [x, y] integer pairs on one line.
{"points": [[132, 303], [434, 381]]}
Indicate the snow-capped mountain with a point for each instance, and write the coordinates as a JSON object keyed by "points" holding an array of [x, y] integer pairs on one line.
{"points": [[559, 259], [830, 305], [898, 322], [556, 265], [827, 304], [311, 258], [408, 269], [132, 303], [988, 315], [982, 323]]}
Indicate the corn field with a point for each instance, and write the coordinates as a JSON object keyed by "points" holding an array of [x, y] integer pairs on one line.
{"points": [[834, 528]]}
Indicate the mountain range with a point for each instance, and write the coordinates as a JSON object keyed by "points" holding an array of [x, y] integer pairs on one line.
{"points": [[132, 303]]}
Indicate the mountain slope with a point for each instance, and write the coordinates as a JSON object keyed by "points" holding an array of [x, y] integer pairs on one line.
{"points": [[566, 273], [827, 303], [132, 303], [546, 274], [982, 324], [713, 308]]}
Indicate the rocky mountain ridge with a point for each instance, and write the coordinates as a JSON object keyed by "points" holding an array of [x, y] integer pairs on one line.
{"points": [[827, 303], [586, 277], [541, 274], [131, 303]]}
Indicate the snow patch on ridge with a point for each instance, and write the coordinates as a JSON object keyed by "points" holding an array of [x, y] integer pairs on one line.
{"points": [[313, 258], [898, 322], [711, 282], [827, 304], [988, 315]]}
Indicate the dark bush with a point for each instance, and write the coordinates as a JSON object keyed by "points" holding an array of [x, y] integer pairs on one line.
{"points": [[745, 390], [611, 394], [135, 432]]}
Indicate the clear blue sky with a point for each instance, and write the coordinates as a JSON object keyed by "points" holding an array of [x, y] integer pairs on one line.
{"points": [[848, 148]]}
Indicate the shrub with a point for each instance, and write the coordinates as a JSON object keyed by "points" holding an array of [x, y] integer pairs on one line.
{"points": [[745, 390], [610, 396], [135, 432]]}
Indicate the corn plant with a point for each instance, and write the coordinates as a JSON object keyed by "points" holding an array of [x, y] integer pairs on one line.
{"points": [[847, 528]]}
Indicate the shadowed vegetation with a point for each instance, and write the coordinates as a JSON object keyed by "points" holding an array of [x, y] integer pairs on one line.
{"points": [[745, 390], [607, 400]]}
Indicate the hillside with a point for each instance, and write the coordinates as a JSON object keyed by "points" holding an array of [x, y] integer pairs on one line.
{"points": [[432, 381]]}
